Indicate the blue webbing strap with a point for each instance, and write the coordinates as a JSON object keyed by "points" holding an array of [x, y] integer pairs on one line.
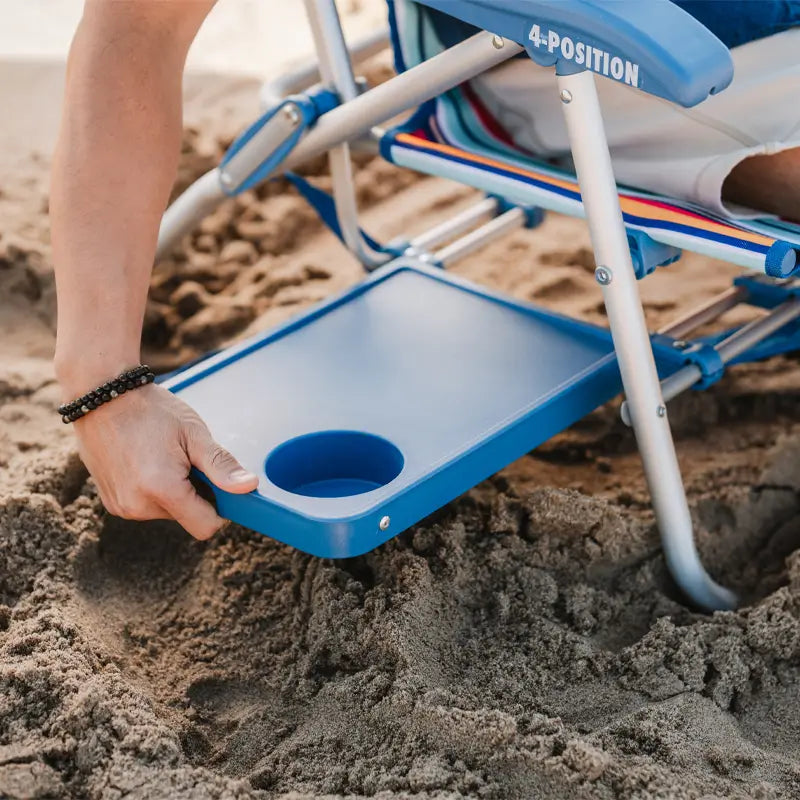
{"points": [[325, 206]]}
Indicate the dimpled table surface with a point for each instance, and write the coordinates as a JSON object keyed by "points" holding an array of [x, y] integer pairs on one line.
{"points": [[370, 411]]}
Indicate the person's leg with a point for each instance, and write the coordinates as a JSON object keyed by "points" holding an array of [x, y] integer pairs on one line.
{"points": [[768, 182]]}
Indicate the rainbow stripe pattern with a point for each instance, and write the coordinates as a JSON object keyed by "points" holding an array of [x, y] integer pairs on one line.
{"points": [[454, 136]]}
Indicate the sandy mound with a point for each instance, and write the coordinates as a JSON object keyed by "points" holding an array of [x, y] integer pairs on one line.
{"points": [[520, 643], [523, 642]]}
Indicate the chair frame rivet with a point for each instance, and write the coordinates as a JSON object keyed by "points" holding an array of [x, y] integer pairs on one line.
{"points": [[566, 96], [661, 411], [603, 276], [498, 42], [291, 113], [384, 523], [226, 180]]}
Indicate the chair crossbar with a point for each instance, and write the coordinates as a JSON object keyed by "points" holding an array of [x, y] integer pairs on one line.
{"points": [[707, 312], [661, 218]]}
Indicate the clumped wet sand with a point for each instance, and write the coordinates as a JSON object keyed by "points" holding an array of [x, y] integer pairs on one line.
{"points": [[524, 641]]}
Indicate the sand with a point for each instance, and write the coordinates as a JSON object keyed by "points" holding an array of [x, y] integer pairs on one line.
{"points": [[523, 642]]}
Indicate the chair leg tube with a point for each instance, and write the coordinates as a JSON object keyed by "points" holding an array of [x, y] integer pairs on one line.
{"points": [[337, 72], [187, 211], [631, 341]]}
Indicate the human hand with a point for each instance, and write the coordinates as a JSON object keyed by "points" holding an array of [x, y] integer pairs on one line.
{"points": [[140, 448]]}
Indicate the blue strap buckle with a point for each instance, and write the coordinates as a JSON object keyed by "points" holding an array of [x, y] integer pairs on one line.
{"points": [[647, 253], [534, 215], [707, 358], [765, 292]]}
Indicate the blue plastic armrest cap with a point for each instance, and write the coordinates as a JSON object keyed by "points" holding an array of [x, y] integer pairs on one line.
{"points": [[652, 45]]}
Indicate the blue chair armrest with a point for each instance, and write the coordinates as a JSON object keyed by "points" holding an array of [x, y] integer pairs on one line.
{"points": [[652, 45]]}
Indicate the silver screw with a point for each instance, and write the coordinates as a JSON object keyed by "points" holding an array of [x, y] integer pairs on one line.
{"points": [[226, 180], [291, 113], [384, 523], [680, 344], [603, 276], [498, 42], [566, 96], [661, 411]]}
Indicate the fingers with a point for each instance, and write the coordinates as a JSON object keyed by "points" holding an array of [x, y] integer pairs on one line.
{"points": [[169, 498], [190, 511], [141, 457], [136, 507], [218, 465]]}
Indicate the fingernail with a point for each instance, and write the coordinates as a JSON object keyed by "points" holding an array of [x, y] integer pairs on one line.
{"points": [[241, 476]]}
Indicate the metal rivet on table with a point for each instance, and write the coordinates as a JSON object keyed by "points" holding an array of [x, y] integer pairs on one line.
{"points": [[603, 276], [498, 42], [661, 411], [566, 96], [384, 523]]}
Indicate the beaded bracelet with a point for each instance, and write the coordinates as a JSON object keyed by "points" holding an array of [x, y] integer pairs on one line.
{"points": [[132, 379]]}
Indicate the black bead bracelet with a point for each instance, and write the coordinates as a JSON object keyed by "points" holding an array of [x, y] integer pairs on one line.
{"points": [[132, 379]]}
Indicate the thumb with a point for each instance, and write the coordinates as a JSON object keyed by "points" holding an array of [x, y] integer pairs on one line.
{"points": [[219, 466]]}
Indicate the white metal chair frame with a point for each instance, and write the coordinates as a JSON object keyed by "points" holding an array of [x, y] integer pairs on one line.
{"points": [[354, 120]]}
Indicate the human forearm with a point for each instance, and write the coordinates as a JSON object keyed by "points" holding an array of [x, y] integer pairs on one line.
{"points": [[114, 165]]}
